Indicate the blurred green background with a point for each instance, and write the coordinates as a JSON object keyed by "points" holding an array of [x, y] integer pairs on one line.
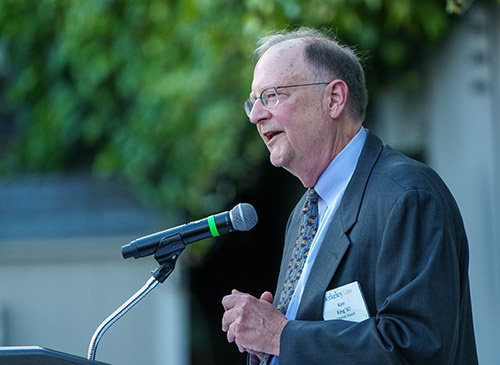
{"points": [[150, 92]]}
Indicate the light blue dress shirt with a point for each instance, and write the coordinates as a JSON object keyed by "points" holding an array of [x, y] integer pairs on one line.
{"points": [[330, 188]]}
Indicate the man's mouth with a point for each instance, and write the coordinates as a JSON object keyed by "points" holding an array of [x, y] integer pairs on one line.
{"points": [[269, 136]]}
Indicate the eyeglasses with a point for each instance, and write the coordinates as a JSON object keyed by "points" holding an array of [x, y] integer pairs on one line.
{"points": [[270, 98]]}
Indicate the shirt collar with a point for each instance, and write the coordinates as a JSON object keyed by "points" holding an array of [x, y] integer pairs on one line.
{"points": [[340, 170]]}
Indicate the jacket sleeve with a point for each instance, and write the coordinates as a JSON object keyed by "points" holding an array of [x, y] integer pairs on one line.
{"points": [[418, 284]]}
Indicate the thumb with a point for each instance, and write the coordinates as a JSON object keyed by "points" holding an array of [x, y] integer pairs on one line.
{"points": [[267, 296]]}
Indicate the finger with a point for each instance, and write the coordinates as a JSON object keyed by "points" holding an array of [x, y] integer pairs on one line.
{"points": [[235, 291], [227, 320], [229, 301], [267, 296], [256, 353], [241, 348], [230, 336]]}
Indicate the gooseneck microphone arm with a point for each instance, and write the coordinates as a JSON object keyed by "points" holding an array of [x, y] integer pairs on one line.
{"points": [[168, 253], [116, 315], [167, 246]]}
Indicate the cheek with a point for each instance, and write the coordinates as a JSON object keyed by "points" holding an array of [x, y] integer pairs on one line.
{"points": [[301, 124], [308, 136]]}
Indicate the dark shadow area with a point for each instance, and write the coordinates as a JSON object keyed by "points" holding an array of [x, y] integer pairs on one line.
{"points": [[247, 261]]}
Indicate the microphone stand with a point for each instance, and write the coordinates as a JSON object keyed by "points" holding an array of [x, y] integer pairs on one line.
{"points": [[166, 255]]}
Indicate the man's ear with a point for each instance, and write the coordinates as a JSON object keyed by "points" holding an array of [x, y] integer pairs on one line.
{"points": [[337, 97]]}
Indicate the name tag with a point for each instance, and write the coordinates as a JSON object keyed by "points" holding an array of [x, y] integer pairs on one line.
{"points": [[346, 303]]}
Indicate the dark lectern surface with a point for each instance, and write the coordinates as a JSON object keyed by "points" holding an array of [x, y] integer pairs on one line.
{"points": [[31, 355]]}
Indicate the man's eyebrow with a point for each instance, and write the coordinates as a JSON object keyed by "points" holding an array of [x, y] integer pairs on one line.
{"points": [[264, 88], [252, 95]]}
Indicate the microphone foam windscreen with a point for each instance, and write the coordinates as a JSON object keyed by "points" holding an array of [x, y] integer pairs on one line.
{"points": [[243, 217]]}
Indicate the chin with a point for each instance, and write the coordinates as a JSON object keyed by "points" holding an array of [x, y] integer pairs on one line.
{"points": [[274, 163], [277, 161]]}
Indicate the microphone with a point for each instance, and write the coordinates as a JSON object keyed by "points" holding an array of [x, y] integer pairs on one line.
{"points": [[241, 218]]}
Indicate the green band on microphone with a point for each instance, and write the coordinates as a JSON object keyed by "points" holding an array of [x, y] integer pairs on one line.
{"points": [[212, 226]]}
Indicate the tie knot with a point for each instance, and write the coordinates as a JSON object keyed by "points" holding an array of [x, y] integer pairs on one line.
{"points": [[312, 195]]}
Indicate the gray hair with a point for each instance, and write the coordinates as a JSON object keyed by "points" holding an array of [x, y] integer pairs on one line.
{"points": [[328, 60]]}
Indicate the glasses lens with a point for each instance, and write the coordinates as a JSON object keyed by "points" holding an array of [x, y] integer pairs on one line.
{"points": [[248, 105], [269, 97]]}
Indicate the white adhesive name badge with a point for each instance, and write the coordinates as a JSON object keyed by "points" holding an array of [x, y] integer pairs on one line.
{"points": [[346, 303]]}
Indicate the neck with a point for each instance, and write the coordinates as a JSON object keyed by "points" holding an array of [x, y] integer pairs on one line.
{"points": [[310, 174]]}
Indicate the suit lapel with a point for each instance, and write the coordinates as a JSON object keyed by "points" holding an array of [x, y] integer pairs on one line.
{"points": [[336, 241]]}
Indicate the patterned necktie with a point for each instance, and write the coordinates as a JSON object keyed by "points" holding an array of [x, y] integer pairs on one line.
{"points": [[307, 231]]}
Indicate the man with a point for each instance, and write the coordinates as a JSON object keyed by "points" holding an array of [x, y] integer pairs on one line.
{"points": [[387, 227]]}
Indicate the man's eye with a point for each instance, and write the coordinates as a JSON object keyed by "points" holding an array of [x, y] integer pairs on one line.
{"points": [[270, 95]]}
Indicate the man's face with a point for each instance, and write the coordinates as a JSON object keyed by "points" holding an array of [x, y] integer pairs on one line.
{"points": [[296, 130]]}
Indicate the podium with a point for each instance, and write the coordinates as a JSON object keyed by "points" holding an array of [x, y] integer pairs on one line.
{"points": [[35, 355]]}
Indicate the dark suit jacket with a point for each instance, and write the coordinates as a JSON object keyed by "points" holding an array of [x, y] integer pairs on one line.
{"points": [[399, 233]]}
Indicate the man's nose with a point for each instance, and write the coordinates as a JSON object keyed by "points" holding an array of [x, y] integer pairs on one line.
{"points": [[259, 112]]}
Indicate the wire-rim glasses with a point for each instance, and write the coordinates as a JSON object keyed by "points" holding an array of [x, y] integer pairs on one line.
{"points": [[269, 97]]}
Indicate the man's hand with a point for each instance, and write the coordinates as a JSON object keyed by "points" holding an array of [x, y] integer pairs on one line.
{"points": [[254, 324]]}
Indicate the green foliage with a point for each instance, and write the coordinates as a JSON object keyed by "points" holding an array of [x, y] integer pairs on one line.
{"points": [[458, 6], [152, 90]]}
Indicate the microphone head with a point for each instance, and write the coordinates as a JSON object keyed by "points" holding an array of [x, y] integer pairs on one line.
{"points": [[243, 217]]}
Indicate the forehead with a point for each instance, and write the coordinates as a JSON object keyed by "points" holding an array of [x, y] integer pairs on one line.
{"points": [[282, 64]]}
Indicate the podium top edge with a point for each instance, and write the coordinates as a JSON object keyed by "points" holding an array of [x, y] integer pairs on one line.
{"points": [[37, 353]]}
